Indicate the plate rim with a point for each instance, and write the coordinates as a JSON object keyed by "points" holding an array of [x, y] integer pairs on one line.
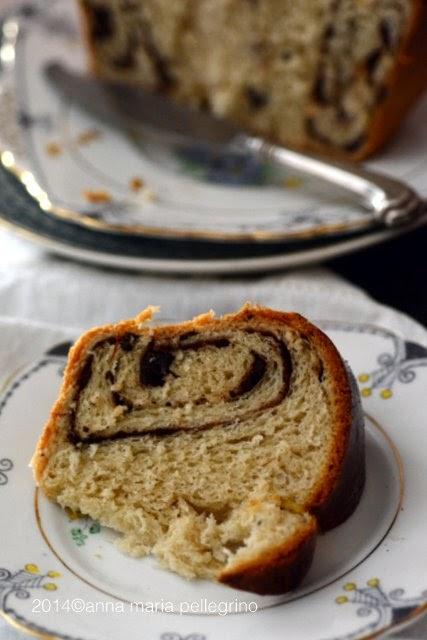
{"points": [[220, 266]]}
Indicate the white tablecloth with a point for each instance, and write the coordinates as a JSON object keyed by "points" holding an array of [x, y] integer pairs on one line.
{"points": [[44, 299]]}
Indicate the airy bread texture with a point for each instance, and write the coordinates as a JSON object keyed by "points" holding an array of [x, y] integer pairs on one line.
{"points": [[220, 445], [329, 75]]}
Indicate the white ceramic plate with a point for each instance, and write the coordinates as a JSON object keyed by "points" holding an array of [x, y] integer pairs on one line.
{"points": [[122, 260], [65, 578], [61, 153], [20, 214]]}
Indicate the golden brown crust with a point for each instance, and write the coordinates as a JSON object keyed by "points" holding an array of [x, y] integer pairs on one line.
{"points": [[335, 495], [280, 570], [406, 82], [85, 23], [348, 488]]}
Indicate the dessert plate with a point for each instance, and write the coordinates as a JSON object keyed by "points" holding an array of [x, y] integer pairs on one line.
{"points": [[66, 579], [21, 214], [90, 174]]}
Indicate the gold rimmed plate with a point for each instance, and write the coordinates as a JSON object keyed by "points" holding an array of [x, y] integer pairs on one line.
{"points": [[86, 173], [21, 215], [65, 577]]}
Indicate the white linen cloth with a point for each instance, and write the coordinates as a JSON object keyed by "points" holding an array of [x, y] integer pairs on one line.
{"points": [[44, 300]]}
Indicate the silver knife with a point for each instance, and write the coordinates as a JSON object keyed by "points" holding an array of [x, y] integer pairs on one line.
{"points": [[390, 201]]}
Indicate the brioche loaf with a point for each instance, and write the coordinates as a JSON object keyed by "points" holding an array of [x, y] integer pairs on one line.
{"points": [[220, 445], [324, 75]]}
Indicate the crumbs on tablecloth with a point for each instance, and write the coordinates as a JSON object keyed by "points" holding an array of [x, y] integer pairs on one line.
{"points": [[53, 149], [88, 136], [97, 196]]}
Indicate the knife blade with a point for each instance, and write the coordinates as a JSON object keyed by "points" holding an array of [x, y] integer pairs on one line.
{"points": [[126, 106], [390, 201]]}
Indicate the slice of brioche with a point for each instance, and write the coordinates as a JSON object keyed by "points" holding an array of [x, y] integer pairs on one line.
{"points": [[220, 445]]}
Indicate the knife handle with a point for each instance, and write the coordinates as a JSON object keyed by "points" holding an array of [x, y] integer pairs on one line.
{"points": [[391, 202]]}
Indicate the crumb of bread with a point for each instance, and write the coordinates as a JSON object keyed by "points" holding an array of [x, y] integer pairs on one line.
{"points": [[136, 184], [53, 149], [95, 196], [88, 136]]}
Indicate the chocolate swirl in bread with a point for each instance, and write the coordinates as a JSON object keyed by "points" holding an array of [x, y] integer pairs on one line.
{"points": [[330, 75], [146, 373], [220, 445]]}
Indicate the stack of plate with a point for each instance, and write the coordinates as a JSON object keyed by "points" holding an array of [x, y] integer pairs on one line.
{"points": [[85, 190]]}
